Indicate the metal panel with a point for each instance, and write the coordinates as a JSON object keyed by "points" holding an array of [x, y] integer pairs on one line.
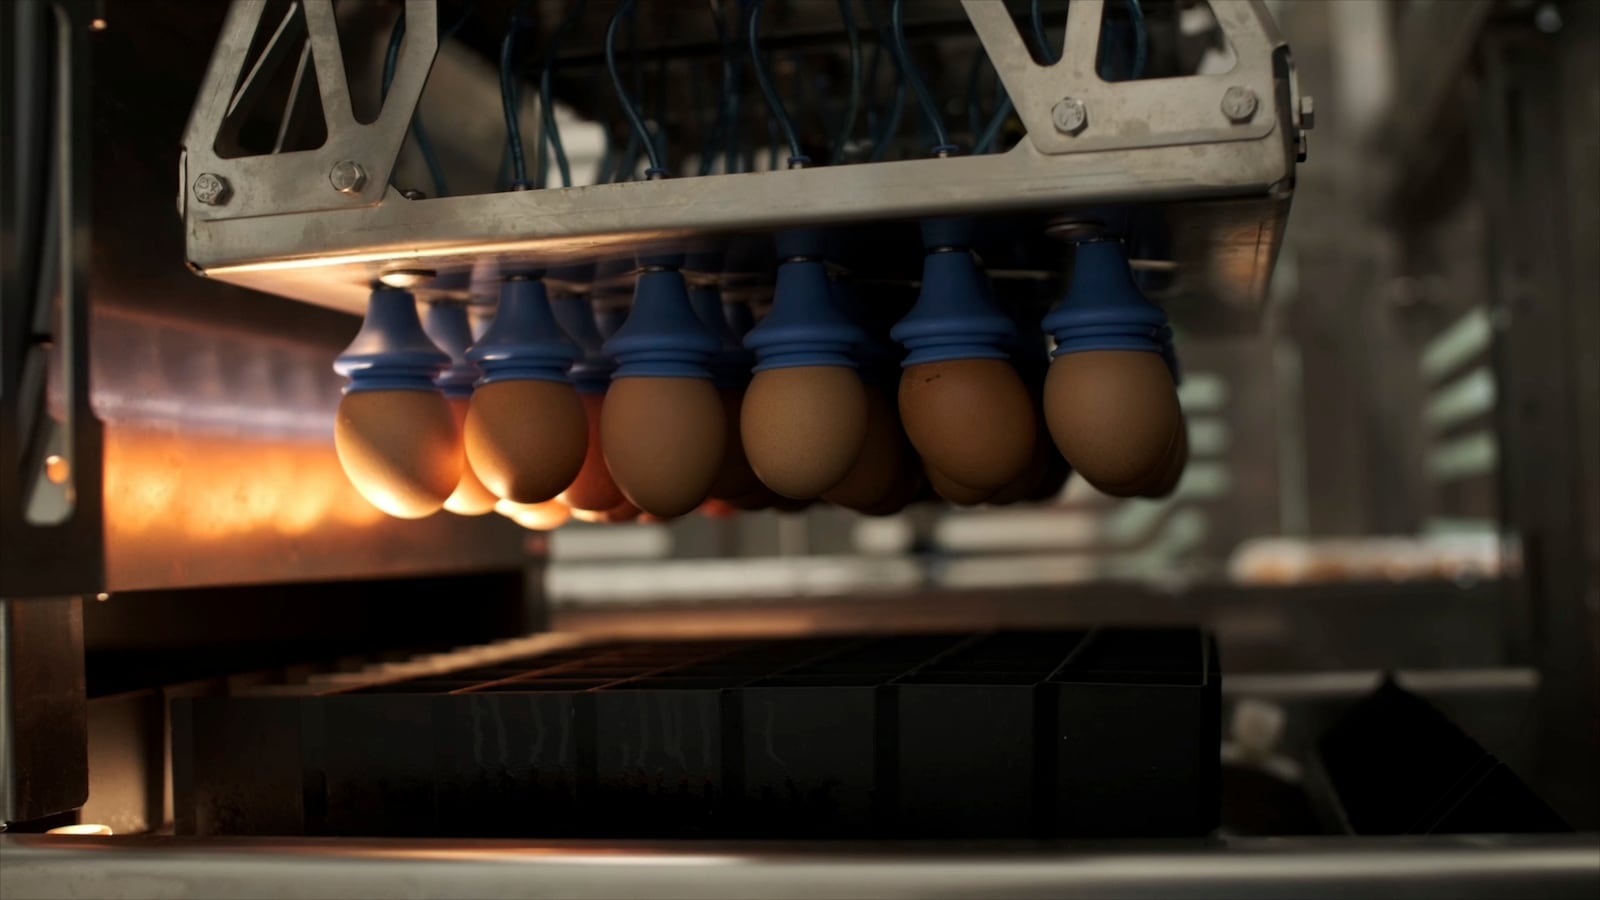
{"points": [[44, 767], [1536, 179], [308, 248], [1464, 867], [49, 439]]}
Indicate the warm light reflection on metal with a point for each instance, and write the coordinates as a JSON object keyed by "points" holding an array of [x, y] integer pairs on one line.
{"points": [[218, 486], [102, 596], [195, 487], [407, 278], [98, 830], [57, 469]]}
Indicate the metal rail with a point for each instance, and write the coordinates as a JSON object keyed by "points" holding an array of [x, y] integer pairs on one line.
{"points": [[1464, 867]]}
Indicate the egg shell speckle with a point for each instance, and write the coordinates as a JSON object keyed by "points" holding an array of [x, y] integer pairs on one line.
{"points": [[970, 419]]}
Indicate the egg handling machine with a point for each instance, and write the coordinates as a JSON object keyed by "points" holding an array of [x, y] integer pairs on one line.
{"points": [[1195, 172]]}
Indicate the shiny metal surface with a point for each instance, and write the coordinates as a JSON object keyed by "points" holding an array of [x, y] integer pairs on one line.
{"points": [[1144, 113], [218, 403], [43, 714], [50, 536], [1462, 867], [220, 467], [303, 180], [1226, 186]]}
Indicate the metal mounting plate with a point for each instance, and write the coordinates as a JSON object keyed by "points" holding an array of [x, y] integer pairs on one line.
{"points": [[1222, 188]]}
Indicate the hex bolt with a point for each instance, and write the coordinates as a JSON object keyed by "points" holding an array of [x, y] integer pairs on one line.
{"points": [[212, 189], [1239, 104], [347, 177], [1070, 115]]}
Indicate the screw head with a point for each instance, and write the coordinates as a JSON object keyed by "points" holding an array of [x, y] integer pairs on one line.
{"points": [[212, 189], [1069, 115], [347, 177], [1239, 104]]}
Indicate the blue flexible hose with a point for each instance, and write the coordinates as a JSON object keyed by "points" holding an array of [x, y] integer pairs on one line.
{"points": [[640, 130], [930, 107], [769, 90]]}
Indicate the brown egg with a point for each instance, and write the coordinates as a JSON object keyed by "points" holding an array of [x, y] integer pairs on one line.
{"points": [[471, 498], [1113, 415], [718, 509], [1177, 460], [907, 487], [970, 419], [526, 439], [735, 479], [663, 439], [876, 473], [593, 490], [802, 427], [1023, 486], [955, 491], [401, 449], [1056, 473], [546, 516], [622, 512], [791, 504]]}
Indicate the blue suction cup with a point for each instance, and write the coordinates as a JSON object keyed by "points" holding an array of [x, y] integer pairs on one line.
{"points": [[662, 337], [449, 328], [1103, 308], [955, 316], [805, 327], [391, 352], [523, 342]]}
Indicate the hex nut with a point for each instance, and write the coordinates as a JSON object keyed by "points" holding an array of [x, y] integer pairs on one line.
{"points": [[1069, 115], [1239, 104], [212, 189], [347, 177]]}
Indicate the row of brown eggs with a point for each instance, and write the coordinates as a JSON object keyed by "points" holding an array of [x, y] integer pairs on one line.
{"points": [[538, 451]]}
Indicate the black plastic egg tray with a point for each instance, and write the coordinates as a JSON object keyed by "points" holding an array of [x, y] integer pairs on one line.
{"points": [[1106, 733]]}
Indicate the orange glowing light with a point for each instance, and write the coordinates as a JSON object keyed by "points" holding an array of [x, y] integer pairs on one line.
{"points": [[57, 469]]}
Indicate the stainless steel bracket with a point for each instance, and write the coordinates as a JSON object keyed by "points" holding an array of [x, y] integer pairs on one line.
{"points": [[1068, 108], [352, 166], [1215, 153]]}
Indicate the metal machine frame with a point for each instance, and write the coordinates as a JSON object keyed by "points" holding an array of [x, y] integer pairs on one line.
{"points": [[319, 225]]}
